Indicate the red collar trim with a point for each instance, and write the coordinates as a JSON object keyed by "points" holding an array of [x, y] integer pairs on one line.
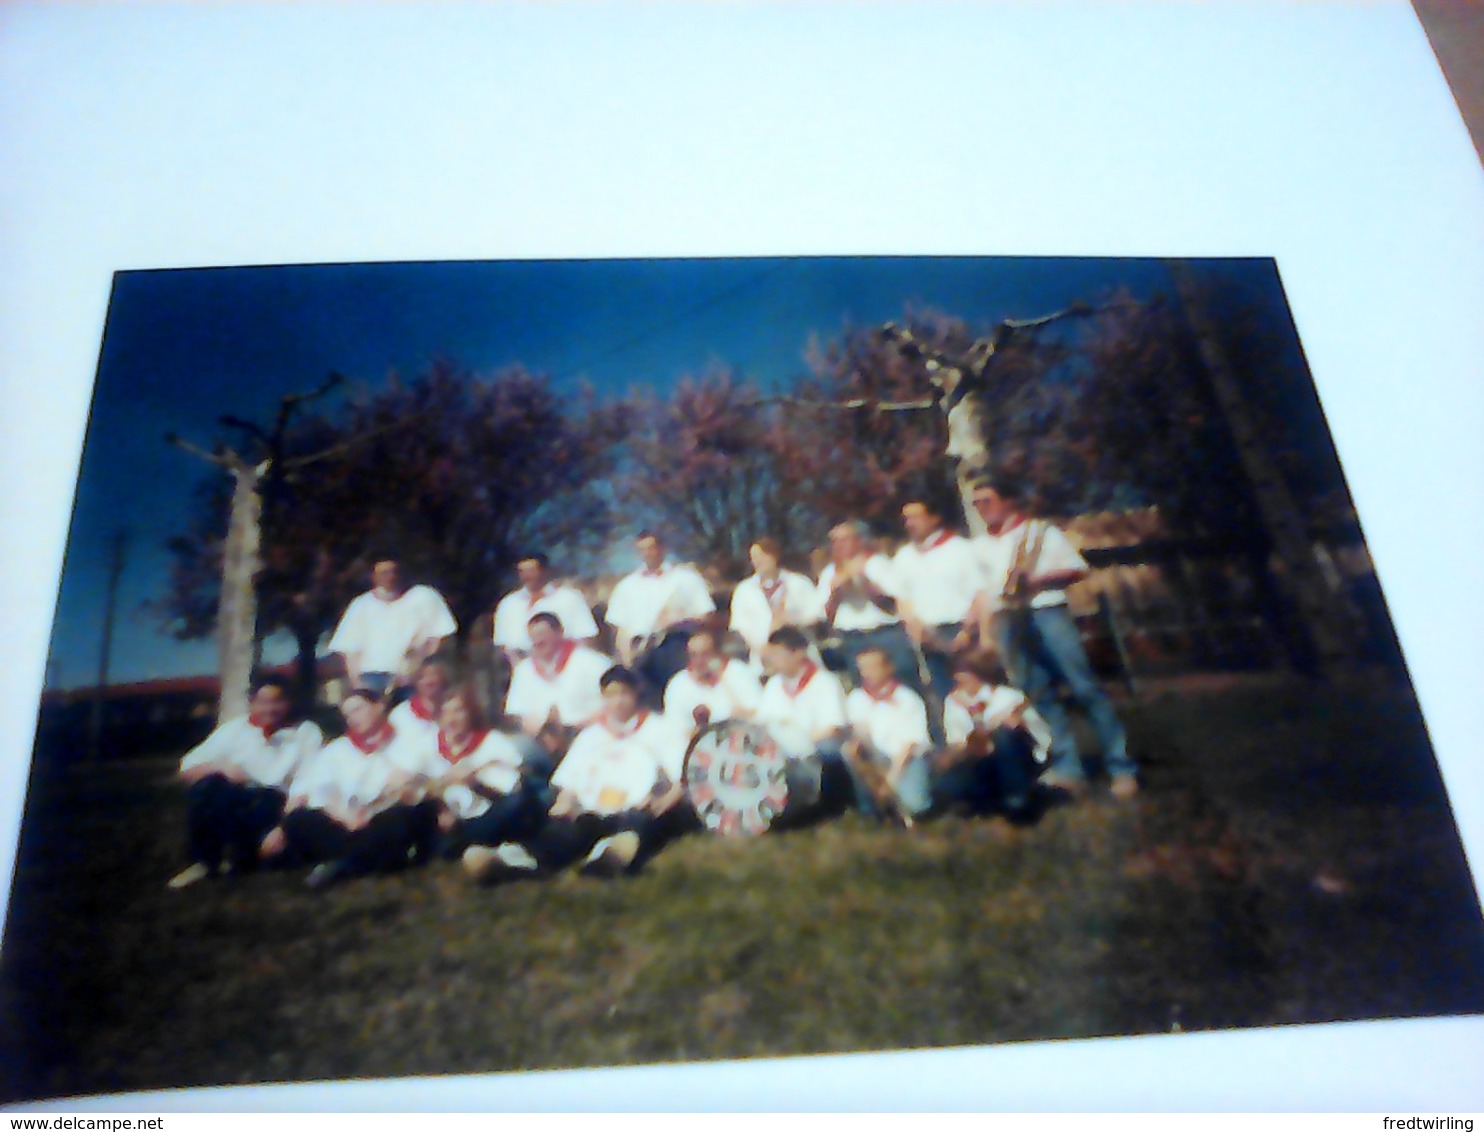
{"points": [[370, 744], [810, 668], [1010, 526], [624, 730], [557, 666], [268, 733], [660, 572], [453, 756], [936, 540], [888, 690], [420, 709]]}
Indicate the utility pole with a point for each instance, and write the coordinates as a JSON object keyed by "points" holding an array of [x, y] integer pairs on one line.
{"points": [[110, 606]]}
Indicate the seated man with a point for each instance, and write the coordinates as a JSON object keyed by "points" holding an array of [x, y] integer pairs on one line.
{"points": [[997, 742], [554, 692], [803, 708], [618, 792], [350, 811], [419, 713], [469, 777], [710, 688], [888, 744], [238, 779]]}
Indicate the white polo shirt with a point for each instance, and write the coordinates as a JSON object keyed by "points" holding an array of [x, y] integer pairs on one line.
{"points": [[513, 615], [638, 599], [856, 612], [342, 775], [612, 769], [494, 754], [382, 631], [997, 553], [795, 711], [412, 717], [735, 693], [990, 708], [889, 722], [793, 596], [570, 684], [267, 758], [939, 578]]}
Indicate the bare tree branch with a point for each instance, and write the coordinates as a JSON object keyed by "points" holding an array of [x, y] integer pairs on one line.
{"points": [[221, 460]]}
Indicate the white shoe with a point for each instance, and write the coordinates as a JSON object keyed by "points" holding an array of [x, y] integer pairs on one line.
{"points": [[189, 875], [482, 863], [612, 855]]}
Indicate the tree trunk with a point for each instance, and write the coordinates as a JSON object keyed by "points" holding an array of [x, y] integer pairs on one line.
{"points": [[237, 616]]}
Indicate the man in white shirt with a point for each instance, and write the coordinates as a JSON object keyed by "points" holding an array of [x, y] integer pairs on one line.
{"points": [[238, 780], [418, 714], [554, 692], [858, 592], [803, 709], [938, 577], [887, 751], [654, 610], [389, 630], [710, 688], [618, 792], [997, 742], [771, 598], [1028, 565], [539, 593]]}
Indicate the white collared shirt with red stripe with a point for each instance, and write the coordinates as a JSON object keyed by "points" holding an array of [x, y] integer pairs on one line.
{"points": [[990, 707], [493, 753], [638, 599], [267, 758], [566, 603], [612, 769], [939, 577], [798, 712], [734, 692], [892, 720], [754, 604], [570, 685]]}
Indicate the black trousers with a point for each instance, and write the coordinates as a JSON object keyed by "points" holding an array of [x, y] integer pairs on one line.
{"points": [[514, 817], [226, 817], [380, 846], [562, 841]]}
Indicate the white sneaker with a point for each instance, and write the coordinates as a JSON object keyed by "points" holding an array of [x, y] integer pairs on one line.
{"points": [[189, 875], [482, 863], [612, 855]]}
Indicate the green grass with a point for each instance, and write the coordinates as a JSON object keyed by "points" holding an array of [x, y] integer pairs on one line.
{"points": [[1291, 860]]}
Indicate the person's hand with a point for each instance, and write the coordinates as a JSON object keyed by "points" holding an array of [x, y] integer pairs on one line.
{"points": [[274, 843], [915, 629], [446, 821], [356, 820], [564, 806]]}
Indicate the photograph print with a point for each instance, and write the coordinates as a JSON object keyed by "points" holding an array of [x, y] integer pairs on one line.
{"points": [[477, 667]]}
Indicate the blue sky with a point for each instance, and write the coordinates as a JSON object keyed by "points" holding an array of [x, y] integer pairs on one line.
{"points": [[183, 347]]}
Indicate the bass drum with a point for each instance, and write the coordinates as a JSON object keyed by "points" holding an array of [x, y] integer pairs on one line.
{"points": [[736, 778]]}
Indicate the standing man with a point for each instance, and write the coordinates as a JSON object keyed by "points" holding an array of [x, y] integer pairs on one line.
{"points": [[859, 592], [388, 631], [938, 577], [539, 593], [1028, 565], [648, 604], [769, 599]]}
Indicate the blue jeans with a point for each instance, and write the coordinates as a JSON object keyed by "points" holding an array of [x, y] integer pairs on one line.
{"points": [[1001, 780], [913, 790], [1040, 652]]}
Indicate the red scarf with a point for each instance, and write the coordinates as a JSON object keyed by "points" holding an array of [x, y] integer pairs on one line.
{"points": [[558, 664], [1007, 527], [772, 589], [452, 756], [635, 722], [935, 540], [810, 668], [370, 744], [421, 710], [268, 732], [888, 690], [657, 572]]}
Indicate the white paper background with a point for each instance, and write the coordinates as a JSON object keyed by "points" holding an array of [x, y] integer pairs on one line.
{"points": [[1320, 133]]}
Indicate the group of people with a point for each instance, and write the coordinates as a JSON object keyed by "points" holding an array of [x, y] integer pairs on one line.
{"points": [[899, 685]]}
